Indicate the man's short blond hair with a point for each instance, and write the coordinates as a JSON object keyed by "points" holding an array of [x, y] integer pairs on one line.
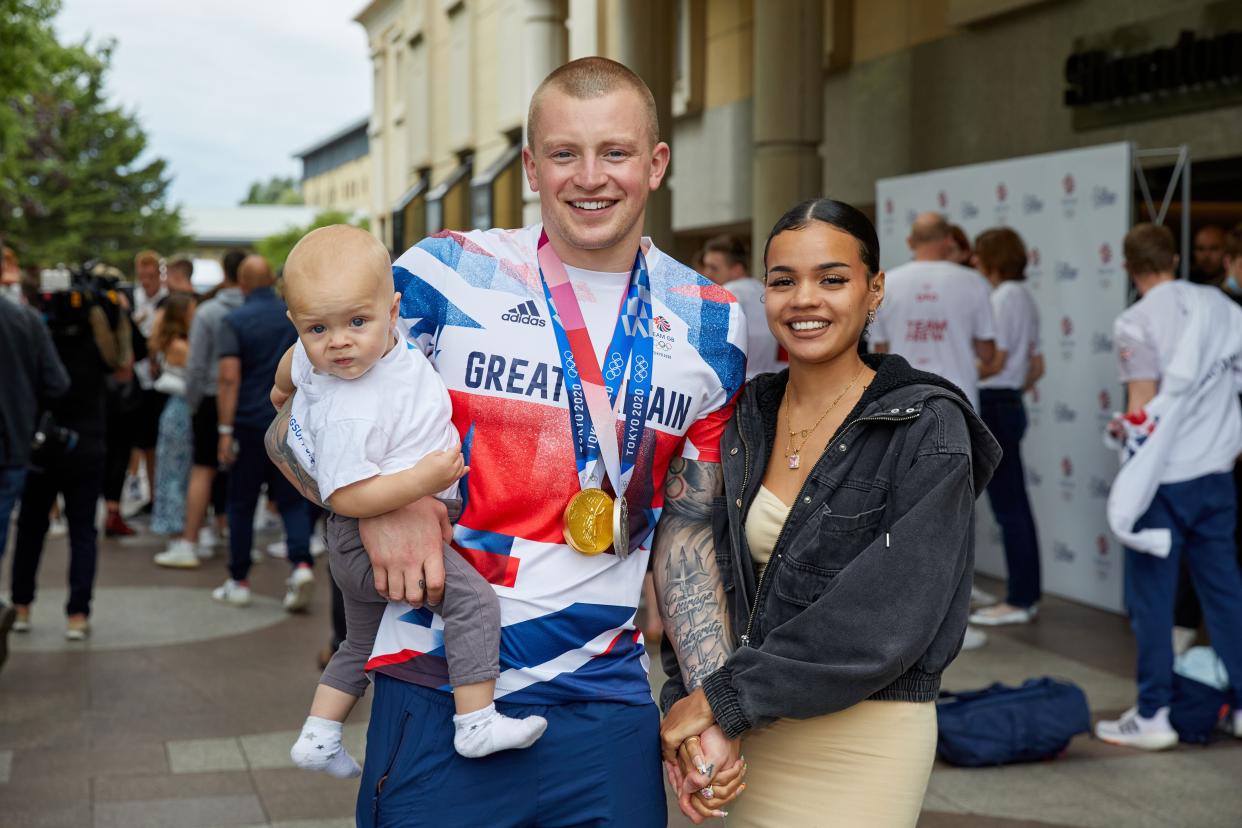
{"points": [[593, 77], [145, 257], [1149, 249]]}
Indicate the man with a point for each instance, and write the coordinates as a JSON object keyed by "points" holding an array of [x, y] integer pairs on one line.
{"points": [[178, 275], [1180, 354], [203, 364], [92, 337], [148, 294], [30, 374], [1209, 256], [514, 322], [724, 262], [937, 314], [250, 342], [1233, 264]]}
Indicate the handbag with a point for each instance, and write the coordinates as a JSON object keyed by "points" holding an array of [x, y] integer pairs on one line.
{"points": [[1000, 725]]}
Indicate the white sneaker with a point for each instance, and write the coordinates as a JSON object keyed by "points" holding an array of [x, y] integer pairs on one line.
{"points": [[299, 589], [232, 592], [980, 598], [278, 549], [999, 615], [974, 639], [180, 554], [317, 545], [207, 537], [1132, 730], [57, 527], [1183, 638]]}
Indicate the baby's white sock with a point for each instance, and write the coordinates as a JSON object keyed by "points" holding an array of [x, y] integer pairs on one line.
{"points": [[489, 731], [319, 748]]}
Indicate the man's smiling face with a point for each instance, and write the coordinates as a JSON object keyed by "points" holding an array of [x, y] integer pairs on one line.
{"points": [[593, 163]]}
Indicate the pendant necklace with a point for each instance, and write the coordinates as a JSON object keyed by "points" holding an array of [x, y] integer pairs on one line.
{"points": [[793, 453]]}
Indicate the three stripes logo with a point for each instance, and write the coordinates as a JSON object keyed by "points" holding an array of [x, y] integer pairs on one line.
{"points": [[526, 313]]}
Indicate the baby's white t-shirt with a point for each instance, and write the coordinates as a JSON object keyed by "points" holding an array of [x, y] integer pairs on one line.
{"points": [[382, 422]]}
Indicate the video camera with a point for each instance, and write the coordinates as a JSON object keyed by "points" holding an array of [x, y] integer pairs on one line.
{"points": [[67, 296]]}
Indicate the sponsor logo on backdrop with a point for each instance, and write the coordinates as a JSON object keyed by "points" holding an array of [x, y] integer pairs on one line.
{"points": [[1001, 210], [1064, 413], [1035, 408], [1103, 197], [1068, 341], [911, 215], [1061, 551], [969, 210], [1107, 269], [942, 198], [888, 206], [1067, 482], [1002, 192], [1034, 479], [1101, 343], [1069, 201], [1103, 561], [1104, 411], [1066, 272], [1032, 204], [1099, 488]]}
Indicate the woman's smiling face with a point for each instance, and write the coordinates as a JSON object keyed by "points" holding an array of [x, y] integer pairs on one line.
{"points": [[818, 292]]}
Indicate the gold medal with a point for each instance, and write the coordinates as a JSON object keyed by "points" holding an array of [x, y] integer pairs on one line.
{"points": [[589, 521]]}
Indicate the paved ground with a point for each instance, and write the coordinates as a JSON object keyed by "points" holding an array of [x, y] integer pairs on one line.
{"points": [[179, 712]]}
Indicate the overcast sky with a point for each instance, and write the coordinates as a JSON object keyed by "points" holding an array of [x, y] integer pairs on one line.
{"points": [[226, 91]]}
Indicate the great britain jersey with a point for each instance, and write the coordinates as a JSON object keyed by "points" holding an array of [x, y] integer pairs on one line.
{"points": [[475, 304]]}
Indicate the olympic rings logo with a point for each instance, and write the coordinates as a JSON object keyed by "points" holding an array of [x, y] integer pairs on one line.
{"points": [[571, 367], [615, 366], [641, 369]]}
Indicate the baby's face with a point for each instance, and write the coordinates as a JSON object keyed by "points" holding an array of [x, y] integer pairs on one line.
{"points": [[344, 319]]}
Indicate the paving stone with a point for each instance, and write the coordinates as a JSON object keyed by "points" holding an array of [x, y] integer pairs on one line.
{"points": [[197, 812], [202, 755], [295, 794], [6, 766], [120, 759], [172, 786]]}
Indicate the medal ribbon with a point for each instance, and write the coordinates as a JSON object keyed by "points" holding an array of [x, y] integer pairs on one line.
{"points": [[593, 389]]}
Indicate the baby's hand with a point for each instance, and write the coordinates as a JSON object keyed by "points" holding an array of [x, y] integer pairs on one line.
{"points": [[278, 397], [442, 468]]}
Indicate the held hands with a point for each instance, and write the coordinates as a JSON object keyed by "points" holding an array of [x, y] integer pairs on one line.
{"points": [[703, 765], [406, 550], [441, 469]]}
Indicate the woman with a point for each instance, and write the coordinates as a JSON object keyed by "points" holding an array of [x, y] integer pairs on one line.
{"points": [[845, 545], [169, 347], [1000, 256]]}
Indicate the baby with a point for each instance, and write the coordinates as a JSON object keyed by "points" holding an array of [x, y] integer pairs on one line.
{"points": [[371, 422]]}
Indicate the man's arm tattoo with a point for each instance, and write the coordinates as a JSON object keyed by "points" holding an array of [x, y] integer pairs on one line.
{"points": [[688, 584], [286, 459]]}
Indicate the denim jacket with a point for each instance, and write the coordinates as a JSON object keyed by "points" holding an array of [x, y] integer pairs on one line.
{"points": [[867, 591]]}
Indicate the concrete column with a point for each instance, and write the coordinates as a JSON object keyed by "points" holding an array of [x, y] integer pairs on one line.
{"points": [[640, 34], [545, 46], [789, 105]]}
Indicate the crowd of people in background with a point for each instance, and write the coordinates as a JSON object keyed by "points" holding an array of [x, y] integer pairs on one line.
{"points": [[114, 391]]}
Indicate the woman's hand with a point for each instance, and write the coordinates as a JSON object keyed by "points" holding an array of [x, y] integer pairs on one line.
{"points": [[708, 774], [688, 717]]}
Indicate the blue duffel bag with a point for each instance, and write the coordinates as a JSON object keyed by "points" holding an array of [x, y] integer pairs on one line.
{"points": [[999, 725]]}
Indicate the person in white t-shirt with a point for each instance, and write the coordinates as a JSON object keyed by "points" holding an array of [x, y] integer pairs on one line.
{"points": [[372, 424], [937, 314], [1194, 501], [1018, 364], [724, 262]]}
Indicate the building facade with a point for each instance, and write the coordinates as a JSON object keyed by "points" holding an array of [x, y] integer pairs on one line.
{"points": [[337, 171], [766, 102]]}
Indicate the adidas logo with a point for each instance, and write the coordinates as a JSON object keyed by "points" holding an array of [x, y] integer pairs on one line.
{"points": [[526, 313]]}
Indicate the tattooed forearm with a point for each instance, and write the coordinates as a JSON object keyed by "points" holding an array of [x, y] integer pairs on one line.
{"points": [[688, 584], [285, 459]]}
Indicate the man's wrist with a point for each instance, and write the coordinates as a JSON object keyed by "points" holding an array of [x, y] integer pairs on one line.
{"points": [[223, 429]]}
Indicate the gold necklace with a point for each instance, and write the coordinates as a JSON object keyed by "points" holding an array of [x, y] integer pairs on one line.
{"points": [[793, 454]]}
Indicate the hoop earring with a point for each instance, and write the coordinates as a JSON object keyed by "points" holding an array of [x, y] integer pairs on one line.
{"points": [[763, 298]]}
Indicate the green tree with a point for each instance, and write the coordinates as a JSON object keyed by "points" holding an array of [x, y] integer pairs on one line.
{"points": [[275, 248], [77, 184], [276, 191]]}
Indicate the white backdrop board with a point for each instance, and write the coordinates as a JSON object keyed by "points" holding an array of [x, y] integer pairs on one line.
{"points": [[1073, 210]]}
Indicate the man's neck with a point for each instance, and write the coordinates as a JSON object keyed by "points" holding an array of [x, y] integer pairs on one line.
{"points": [[922, 254], [618, 258], [1147, 281]]}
